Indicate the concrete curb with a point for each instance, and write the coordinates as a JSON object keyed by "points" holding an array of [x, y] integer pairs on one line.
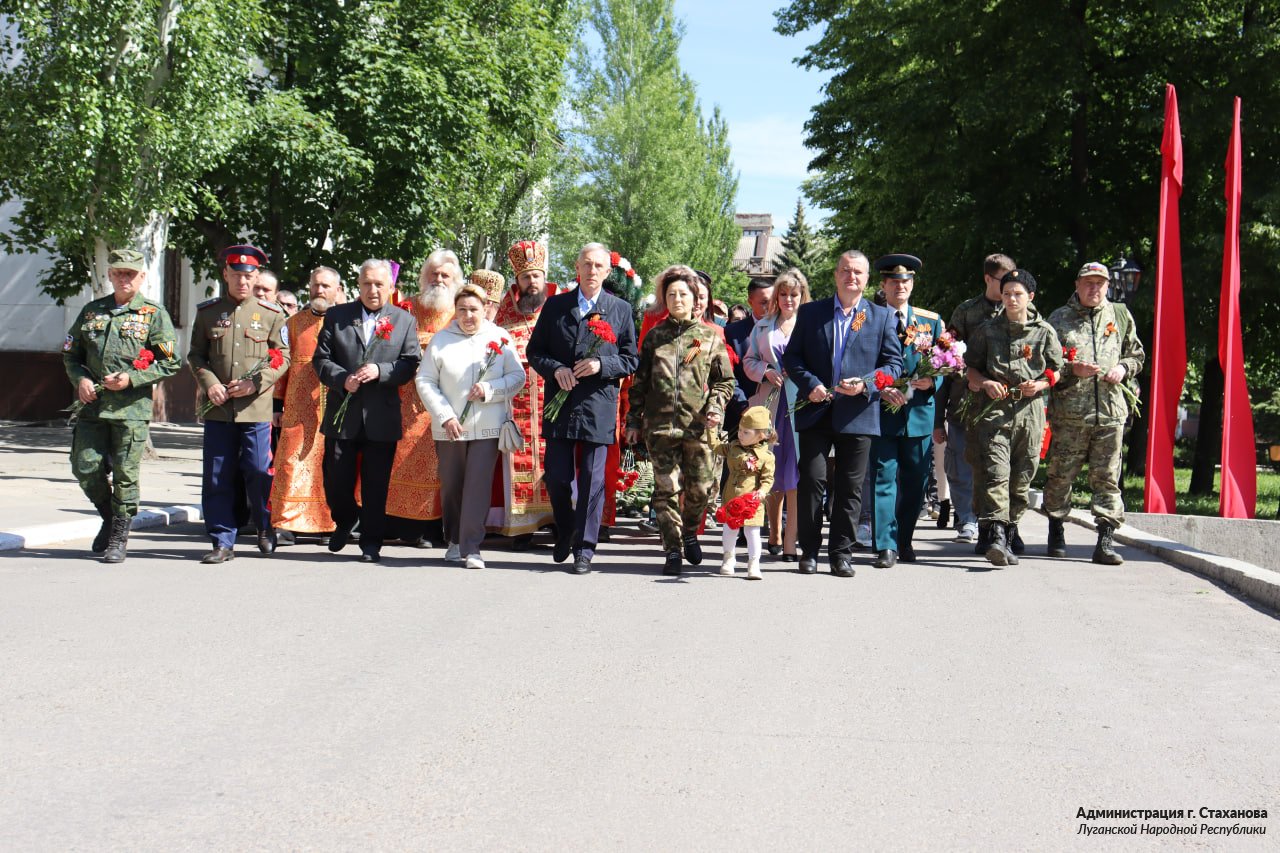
{"points": [[1252, 582], [39, 535]]}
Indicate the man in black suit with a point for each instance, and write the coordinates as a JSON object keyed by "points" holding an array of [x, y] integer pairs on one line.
{"points": [[366, 350], [836, 347], [564, 351], [737, 336]]}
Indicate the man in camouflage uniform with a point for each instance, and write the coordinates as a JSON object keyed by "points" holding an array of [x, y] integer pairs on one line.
{"points": [[949, 428], [230, 337], [116, 350], [1088, 408], [1013, 359], [679, 391]]}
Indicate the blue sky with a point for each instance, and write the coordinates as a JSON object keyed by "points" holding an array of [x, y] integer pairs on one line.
{"points": [[739, 63]]}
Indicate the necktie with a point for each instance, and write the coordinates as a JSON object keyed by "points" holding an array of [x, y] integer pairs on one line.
{"points": [[902, 325]]}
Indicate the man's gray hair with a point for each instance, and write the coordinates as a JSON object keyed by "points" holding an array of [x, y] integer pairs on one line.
{"points": [[374, 263], [331, 271], [593, 247], [854, 254]]}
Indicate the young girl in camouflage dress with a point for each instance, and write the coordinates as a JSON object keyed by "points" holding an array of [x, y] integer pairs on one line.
{"points": [[751, 470]]}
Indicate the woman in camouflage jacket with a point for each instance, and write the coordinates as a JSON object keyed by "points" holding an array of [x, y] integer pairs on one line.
{"points": [[679, 392]]}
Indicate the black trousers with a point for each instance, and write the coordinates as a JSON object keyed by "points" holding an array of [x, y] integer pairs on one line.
{"points": [[852, 455], [342, 458]]}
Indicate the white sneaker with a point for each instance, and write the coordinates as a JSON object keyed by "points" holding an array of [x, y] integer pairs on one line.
{"points": [[729, 565], [863, 536], [475, 562], [753, 571], [452, 553], [968, 533]]}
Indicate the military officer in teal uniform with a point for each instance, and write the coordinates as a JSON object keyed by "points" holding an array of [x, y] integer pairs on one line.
{"points": [[901, 452], [232, 337], [118, 348]]}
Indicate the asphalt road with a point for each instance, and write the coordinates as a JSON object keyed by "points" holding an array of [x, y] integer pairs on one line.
{"points": [[308, 702]]}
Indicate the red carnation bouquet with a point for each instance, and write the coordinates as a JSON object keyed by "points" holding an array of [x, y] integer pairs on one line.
{"points": [[273, 359], [602, 333], [494, 349], [739, 511]]}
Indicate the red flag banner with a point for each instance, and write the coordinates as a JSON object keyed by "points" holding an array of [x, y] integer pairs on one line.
{"points": [[1169, 348], [1239, 459]]}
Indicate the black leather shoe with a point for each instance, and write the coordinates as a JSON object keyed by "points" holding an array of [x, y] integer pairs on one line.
{"points": [[286, 537], [775, 550], [693, 551], [522, 543], [267, 541], [563, 548], [886, 559], [604, 535], [218, 555], [339, 538], [672, 566], [808, 566], [907, 554], [581, 565], [842, 568], [789, 558], [370, 557]]}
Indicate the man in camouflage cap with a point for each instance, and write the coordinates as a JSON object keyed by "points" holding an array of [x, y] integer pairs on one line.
{"points": [[1088, 408], [116, 350]]}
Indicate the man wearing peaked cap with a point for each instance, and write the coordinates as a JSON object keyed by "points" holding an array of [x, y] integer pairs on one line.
{"points": [[118, 348], [234, 336], [900, 453]]}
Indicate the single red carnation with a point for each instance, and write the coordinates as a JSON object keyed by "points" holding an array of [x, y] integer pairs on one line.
{"points": [[883, 380], [144, 359], [495, 347], [383, 328], [275, 358]]}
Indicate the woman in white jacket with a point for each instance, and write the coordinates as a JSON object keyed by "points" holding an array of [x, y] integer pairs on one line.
{"points": [[468, 374]]}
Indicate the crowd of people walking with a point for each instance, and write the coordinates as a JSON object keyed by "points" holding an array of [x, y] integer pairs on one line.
{"points": [[475, 408]]}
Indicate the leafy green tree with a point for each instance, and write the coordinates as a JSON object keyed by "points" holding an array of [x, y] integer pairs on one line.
{"points": [[388, 128], [110, 110], [642, 170]]}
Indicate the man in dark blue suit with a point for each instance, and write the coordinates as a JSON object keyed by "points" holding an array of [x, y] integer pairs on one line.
{"points": [[736, 336], [366, 350], [901, 451], [836, 347], [564, 351]]}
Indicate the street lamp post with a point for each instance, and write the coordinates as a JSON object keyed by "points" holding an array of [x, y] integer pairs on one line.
{"points": [[1126, 275]]}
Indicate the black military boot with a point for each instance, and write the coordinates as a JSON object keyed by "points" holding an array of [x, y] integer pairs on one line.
{"points": [[692, 550], [104, 532], [995, 552], [984, 538], [1010, 556], [1057, 538], [1014, 540], [1105, 552], [944, 514], [118, 541]]}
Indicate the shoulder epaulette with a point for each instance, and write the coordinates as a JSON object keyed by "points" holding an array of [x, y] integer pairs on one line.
{"points": [[271, 306], [214, 301], [928, 315]]}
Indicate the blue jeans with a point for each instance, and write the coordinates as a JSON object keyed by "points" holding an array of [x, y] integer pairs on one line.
{"points": [[959, 476]]}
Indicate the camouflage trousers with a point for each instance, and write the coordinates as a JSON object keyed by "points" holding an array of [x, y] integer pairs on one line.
{"points": [[1005, 451], [1075, 444], [106, 458], [683, 474]]}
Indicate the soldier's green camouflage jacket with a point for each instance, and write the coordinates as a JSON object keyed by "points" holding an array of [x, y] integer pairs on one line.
{"points": [[1100, 337], [106, 338], [965, 321], [684, 375], [1013, 353]]}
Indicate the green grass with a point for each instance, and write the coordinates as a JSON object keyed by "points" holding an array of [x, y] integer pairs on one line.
{"points": [[1134, 486]]}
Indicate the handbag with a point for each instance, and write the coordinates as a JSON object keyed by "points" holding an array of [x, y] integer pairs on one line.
{"points": [[510, 438]]}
